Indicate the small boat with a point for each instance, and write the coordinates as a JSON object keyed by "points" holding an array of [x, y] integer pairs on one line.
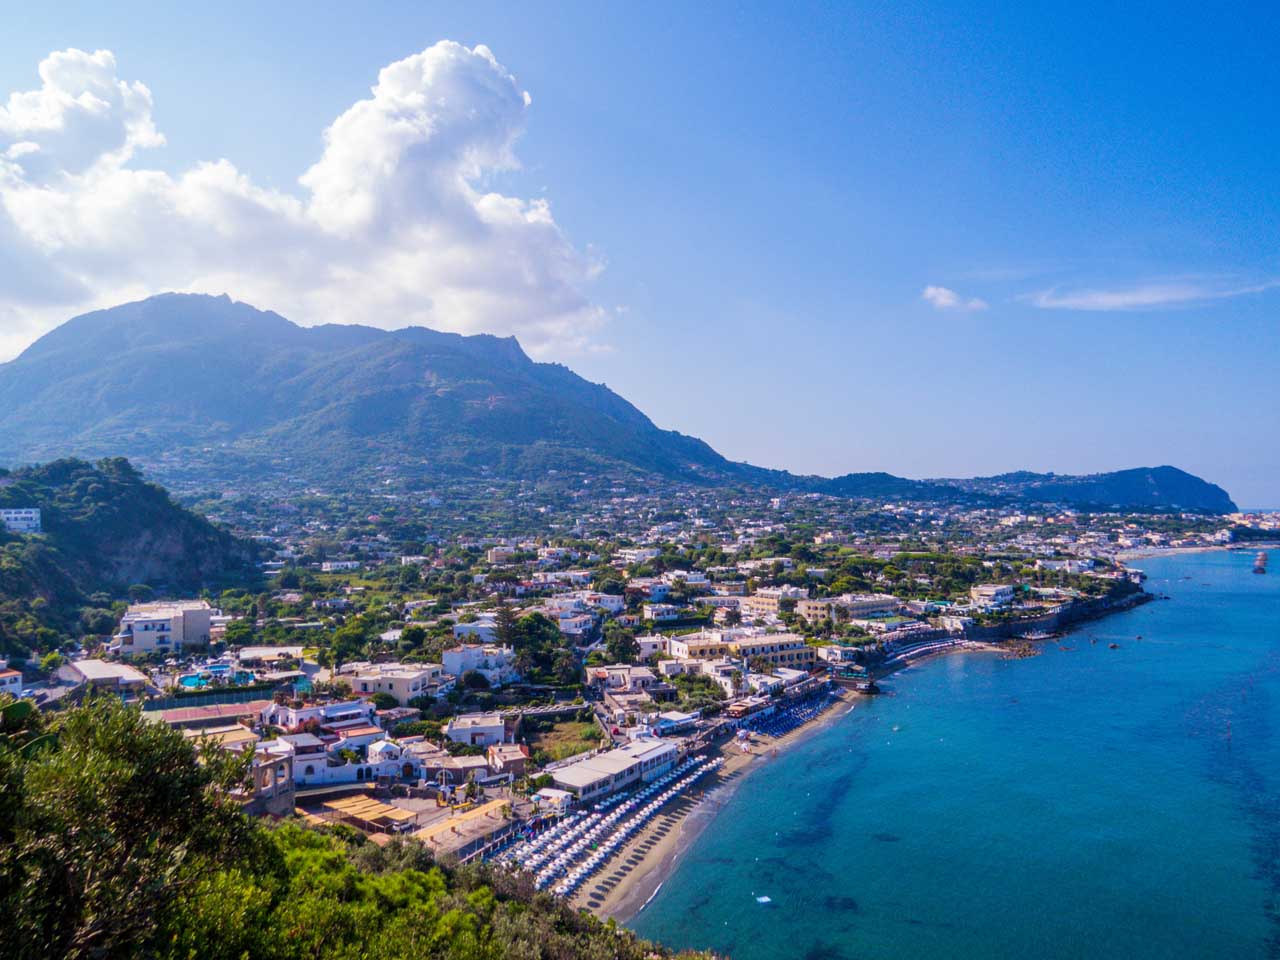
{"points": [[1260, 562], [764, 899], [1114, 646]]}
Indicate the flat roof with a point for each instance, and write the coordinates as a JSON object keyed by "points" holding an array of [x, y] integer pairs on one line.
{"points": [[94, 670], [349, 732], [302, 739], [259, 653], [232, 736], [591, 769]]}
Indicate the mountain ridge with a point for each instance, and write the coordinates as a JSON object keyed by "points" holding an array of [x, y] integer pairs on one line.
{"points": [[183, 371]]}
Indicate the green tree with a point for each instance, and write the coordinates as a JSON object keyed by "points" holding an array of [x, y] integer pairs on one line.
{"points": [[113, 818], [505, 625], [620, 643], [239, 633]]}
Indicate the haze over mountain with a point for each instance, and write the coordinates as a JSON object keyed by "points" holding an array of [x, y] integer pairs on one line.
{"points": [[180, 372]]}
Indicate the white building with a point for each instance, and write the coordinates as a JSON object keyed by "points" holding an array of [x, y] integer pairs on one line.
{"points": [[20, 520], [404, 681], [477, 729], [662, 612], [991, 594], [497, 664], [166, 626], [484, 628], [283, 715], [337, 566], [633, 555], [10, 680], [639, 761], [109, 676]]}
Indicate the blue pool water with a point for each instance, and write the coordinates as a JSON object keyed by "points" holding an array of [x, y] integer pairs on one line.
{"points": [[194, 681], [1088, 802]]}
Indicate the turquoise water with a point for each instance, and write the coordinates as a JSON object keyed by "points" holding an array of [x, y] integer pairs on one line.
{"points": [[1088, 802], [195, 681]]}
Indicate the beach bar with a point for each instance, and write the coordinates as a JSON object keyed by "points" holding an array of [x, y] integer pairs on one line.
{"points": [[639, 761]]}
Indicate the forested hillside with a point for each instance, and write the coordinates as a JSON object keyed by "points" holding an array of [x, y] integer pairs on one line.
{"points": [[119, 838], [105, 529]]}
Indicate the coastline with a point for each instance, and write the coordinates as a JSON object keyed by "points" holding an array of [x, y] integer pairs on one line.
{"points": [[1142, 553], [651, 857], [630, 887]]}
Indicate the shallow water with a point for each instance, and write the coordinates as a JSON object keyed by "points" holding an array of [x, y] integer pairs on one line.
{"points": [[1088, 802]]}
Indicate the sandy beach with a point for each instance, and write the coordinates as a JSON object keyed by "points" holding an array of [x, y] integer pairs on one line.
{"points": [[1142, 553], [640, 868]]}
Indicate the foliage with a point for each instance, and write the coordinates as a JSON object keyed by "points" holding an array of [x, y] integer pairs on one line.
{"points": [[105, 531], [620, 643], [102, 856]]}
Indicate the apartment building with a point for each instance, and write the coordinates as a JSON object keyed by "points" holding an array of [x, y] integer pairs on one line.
{"points": [[851, 605], [20, 520], [991, 594], [165, 626], [405, 682], [779, 649]]}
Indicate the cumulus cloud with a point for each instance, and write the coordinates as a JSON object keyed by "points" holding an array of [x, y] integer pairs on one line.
{"points": [[1145, 296], [943, 298], [390, 226]]}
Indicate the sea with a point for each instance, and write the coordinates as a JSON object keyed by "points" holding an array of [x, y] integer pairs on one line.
{"points": [[1088, 802]]}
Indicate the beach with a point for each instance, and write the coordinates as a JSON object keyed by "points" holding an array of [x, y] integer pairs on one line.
{"points": [[641, 867], [1108, 799], [644, 864]]}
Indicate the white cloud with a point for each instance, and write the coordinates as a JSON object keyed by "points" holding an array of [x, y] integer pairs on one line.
{"points": [[391, 226], [1166, 293], [943, 298]]}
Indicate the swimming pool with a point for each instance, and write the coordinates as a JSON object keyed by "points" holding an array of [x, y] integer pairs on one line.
{"points": [[197, 681]]}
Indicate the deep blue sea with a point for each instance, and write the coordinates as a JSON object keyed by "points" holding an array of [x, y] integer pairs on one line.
{"points": [[1087, 802]]}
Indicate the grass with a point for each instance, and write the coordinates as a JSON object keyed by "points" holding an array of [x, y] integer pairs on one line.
{"points": [[563, 740]]}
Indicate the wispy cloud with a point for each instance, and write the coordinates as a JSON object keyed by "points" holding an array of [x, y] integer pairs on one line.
{"points": [[944, 298], [1145, 296]]}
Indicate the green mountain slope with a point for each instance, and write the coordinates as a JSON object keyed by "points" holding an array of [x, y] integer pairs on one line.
{"points": [[104, 529], [180, 373], [1142, 488]]}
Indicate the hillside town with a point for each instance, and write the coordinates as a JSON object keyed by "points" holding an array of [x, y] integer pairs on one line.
{"points": [[502, 697]]}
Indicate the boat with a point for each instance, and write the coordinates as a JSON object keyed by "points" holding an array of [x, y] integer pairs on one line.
{"points": [[1260, 562], [1114, 646]]}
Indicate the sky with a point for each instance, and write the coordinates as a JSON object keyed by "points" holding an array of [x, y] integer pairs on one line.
{"points": [[934, 239]]}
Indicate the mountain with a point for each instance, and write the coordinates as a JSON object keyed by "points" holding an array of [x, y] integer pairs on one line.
{"points": [[194, 371], [1143, 488], [180, 372], [104, 529]]}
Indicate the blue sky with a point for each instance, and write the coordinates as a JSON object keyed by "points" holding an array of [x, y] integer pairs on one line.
{"points": [[752, 199]]}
